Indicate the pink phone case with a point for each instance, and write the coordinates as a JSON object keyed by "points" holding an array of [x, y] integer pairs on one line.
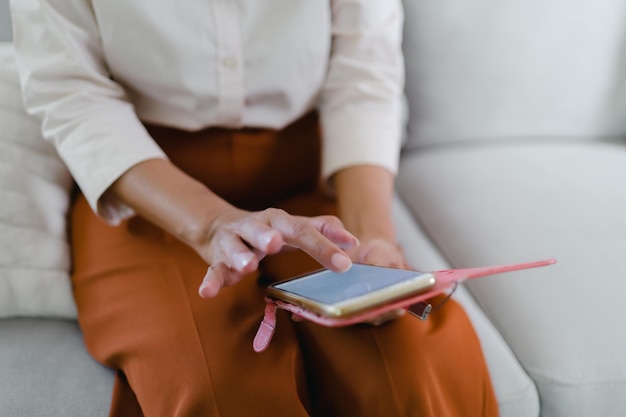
{"points": [[444, 280]]}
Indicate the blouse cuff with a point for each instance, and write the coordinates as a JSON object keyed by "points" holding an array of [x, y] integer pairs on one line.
{"points": [[97, 155], [359, 138]]}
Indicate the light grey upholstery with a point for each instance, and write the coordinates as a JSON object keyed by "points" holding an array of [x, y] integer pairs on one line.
{"points": [[5, 21], [45, 371], [516, 151]]}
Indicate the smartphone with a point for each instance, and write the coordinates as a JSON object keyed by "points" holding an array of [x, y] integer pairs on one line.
{"points": [[360, 289]]}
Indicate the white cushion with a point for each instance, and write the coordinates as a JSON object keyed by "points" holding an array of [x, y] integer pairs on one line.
{"points": [[34, 191], [511, 202], [509, 69], [515, 391]]}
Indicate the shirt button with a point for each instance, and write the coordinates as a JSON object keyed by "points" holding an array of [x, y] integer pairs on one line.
{"points": [[229, 63]]}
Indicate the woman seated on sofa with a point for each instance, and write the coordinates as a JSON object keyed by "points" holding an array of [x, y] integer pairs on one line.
{"points": [[192, 130]]}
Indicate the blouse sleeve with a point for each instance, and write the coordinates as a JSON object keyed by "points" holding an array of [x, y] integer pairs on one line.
{"points": [[361, 100], [84, 113]]}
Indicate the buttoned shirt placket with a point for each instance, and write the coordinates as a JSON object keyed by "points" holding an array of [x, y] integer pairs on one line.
{"points": [[230, 64]]}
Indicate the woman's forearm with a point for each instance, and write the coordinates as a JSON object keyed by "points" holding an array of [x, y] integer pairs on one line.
{"points": [[159, 191], [365, 195]]}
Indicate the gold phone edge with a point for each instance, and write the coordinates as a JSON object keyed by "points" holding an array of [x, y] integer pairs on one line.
{"points": [[357, 304]]}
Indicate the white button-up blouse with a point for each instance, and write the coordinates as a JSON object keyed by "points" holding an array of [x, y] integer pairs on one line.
{"points": [[94, 70]]}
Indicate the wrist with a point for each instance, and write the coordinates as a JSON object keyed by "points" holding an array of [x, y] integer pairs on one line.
{"points": [[199, 214], [364, 196], [367, 224]]}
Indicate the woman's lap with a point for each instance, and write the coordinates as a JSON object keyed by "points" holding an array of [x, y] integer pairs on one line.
{"points": [[136, 291]]}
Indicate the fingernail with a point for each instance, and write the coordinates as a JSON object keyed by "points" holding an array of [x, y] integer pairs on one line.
{"points": [[341, 261], [266, 239], [349, 245], [242, 260], [208, 288]]}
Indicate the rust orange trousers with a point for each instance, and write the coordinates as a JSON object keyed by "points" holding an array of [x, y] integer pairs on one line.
{"points": [[176, 354]]}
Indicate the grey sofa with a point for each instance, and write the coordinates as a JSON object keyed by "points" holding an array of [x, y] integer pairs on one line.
{"points": [[515, 151]]}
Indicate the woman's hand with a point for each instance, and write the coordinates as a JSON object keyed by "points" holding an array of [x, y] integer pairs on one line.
{"points": [[237, 241], [379, 251], [231, 240]]}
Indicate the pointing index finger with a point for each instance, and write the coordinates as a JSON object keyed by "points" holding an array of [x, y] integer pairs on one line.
{"points": [[299, 232]]}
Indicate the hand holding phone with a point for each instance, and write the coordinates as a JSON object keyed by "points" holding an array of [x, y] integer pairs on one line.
{"points": [[362, 293]]}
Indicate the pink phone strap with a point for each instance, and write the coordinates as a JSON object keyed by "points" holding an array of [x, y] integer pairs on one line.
{"points": [[444, 280], [266, 329]]}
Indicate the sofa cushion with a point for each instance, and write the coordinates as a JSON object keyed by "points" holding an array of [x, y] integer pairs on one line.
{"points": [[509, 202], [34, 190], [515, 391], [5, 22], [510, 69], [46, 372]]}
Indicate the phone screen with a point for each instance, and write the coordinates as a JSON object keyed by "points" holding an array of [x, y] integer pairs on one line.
{"points": [[330, 287]]}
